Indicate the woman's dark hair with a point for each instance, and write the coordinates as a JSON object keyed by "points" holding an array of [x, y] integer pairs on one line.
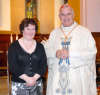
{"points": [[25, 22]]}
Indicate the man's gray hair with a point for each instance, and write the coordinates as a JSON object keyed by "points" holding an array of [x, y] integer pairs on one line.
{"points": [[66, 6]]}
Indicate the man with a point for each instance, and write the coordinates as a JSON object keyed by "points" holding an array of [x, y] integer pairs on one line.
{"points": [[71, 53]]}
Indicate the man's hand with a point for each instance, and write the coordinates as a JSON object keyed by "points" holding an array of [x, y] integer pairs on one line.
{"points": [[63, 53], [58, 54]]}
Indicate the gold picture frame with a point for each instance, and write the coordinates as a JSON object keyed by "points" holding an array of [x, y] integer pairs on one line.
{"points": [[65, 1], [30, 8]]}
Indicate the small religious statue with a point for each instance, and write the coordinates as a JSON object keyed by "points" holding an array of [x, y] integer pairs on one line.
{"points": [[29, 8]]}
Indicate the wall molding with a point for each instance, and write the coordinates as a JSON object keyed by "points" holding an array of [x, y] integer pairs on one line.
{"points": [[83, 12]]}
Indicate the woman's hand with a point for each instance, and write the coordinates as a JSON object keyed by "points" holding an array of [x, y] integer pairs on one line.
{"points": [[30, 81]]}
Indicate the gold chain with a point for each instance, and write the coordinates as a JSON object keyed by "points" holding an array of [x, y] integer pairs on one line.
{"points": [[66, 36]]}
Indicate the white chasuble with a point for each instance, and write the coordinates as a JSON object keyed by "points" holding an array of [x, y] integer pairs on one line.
{"points": [[79, 76]]}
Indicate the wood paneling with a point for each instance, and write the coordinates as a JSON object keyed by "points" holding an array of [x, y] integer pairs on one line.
{"points": [[96, 36]]}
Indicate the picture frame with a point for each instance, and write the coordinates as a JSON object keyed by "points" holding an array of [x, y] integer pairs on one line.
{"points": [[65, 1], [30, 8], [31, 11]]}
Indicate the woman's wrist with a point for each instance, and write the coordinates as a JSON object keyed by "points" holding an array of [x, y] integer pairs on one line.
{"points": [[24, 77]]}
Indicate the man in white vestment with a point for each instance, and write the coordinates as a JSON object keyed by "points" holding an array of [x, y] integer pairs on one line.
{"points": [[71, 53]]}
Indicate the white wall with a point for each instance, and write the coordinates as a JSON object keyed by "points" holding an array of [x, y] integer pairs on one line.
{"points": [[93, 15], [5, 19], [90, 14]]}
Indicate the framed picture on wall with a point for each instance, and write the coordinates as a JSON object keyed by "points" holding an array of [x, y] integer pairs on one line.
{"points": [[30, 8], [65, 1], [31, 11]]}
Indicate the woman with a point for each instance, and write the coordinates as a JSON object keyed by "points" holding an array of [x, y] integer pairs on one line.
{"points": [[27, 61]]}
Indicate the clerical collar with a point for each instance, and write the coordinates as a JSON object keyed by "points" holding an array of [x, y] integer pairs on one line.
{"points": [[68, 29]]}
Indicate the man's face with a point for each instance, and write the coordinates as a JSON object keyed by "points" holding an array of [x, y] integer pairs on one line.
{"points": [[66, 16]]}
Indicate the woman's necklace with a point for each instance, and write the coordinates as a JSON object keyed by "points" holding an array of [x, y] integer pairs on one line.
{"points": [[29, 46]]}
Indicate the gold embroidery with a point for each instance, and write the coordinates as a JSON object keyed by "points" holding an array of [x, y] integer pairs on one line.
{"points": [[66, 36]]}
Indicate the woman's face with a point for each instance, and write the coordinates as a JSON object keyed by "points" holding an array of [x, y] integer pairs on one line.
{"points": [[29, 32]]}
